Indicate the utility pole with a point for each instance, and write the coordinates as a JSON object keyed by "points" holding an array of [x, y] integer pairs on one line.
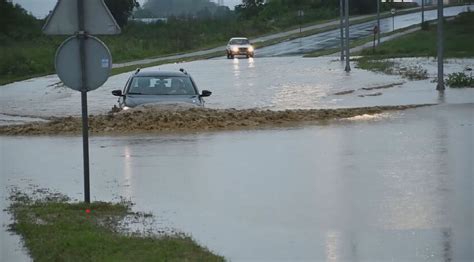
{"points": [[348, 66], [341, 26], [378, 22], [440, 86]]}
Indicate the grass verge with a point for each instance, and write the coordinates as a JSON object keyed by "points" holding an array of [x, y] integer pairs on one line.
{"points": [[53, 229], [458, 44], [458, 37], [356, 43]]}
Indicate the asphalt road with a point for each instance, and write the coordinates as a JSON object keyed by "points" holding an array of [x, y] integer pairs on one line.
{"points": [[280, 48], [331, 39]]}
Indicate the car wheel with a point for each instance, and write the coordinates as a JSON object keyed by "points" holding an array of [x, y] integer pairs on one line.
{"points": [[232, 56]]}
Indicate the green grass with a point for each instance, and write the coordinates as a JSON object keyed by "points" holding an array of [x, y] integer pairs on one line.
{"points": [[460, 80], [459, 39], [356, 43], [458, 43], [54, 229]]}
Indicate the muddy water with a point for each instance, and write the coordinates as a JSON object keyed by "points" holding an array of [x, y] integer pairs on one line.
{"points": [[395, 186]]}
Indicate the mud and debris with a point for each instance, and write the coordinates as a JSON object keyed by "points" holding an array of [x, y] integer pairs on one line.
{"points": [[346, 92], [382, 86], [371, 94], [350, 91], [152, 120]]}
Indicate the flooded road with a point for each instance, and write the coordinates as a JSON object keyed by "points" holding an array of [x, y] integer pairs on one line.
{"points": [[393, 187], [265, 83], [331, 39]]}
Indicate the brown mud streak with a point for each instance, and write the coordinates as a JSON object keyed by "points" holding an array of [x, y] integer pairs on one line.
{"points": [[154, 120]]}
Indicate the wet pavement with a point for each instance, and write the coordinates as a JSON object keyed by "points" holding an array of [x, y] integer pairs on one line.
{"points": [[392, 187], [331, 39]]}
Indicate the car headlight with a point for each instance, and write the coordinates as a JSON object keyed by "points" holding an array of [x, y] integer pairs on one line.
{"points": [[235, 49], [250, 49]]}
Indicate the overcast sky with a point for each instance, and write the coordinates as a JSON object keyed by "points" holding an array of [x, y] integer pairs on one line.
{"points": [[40, 8]]}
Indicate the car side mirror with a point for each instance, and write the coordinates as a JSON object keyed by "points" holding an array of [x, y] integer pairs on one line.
{"points": [[117, 93], [206, 93]]}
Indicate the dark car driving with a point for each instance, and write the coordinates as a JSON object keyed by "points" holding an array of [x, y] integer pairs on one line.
{"points": [[161, 88]]}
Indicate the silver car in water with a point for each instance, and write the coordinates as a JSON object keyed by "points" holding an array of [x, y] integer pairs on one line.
{"points": [[239, 46], [160, 88]]}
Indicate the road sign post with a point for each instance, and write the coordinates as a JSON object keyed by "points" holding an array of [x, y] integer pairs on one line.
{"points": [[82, 62], [378, 22], [85, 120], [440, 85], [422, 12], [341, 26], [348, 66], [393, 12], [300, 17]]}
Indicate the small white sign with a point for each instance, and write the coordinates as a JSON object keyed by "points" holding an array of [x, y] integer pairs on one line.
{"points": [[105, 63]]}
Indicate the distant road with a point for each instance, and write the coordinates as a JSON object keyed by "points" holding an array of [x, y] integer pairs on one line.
{"points": [[330, 39], [291, 49]]}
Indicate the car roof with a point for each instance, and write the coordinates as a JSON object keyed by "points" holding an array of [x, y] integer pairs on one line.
{"points": [[235, 38], [160, 73]]}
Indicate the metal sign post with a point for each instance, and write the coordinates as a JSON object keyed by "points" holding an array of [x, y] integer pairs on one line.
{"points": [[393, 12], [341, 26], [440, 85], [348, 66], [81, 35], [300, 17], [422, 12], [82, 62], [378, 22]]}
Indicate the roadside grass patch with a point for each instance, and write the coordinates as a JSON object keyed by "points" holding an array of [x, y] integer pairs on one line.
{"points": [[458, 37], [459, 80], [389, 67], [55, 229], [414, 72], [383, 66]]}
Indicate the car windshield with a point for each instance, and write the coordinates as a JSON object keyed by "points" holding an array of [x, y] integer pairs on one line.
{"points": [[163, 85], [239, 42]]}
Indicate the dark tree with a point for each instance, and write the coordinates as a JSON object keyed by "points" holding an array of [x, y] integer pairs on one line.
{"points": [[16, 23], [121, 9], [168, 8], [250, 8]]}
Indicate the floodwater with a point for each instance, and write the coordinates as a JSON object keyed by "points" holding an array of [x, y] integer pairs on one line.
{"points": [[331, 39], [396, 186], [266, 83]]}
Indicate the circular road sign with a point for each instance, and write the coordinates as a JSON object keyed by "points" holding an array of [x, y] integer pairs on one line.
{"points": [[393, 11], [98, 63]]}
